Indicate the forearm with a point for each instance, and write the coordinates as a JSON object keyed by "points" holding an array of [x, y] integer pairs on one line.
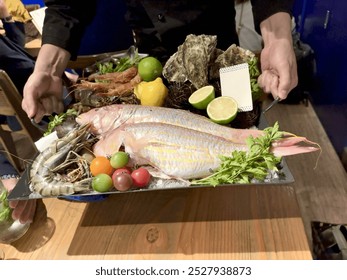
{"points": [[276, 27], [52, 60]]}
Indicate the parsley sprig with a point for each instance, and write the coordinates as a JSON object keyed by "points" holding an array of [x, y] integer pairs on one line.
{"points": [[59, 119], [242, 167], [254, 73], [5, 210], [123, 64]]}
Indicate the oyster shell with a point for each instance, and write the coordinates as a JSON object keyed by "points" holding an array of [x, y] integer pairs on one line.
{"points": [[191, 61], [232, 56], [198, 60]]}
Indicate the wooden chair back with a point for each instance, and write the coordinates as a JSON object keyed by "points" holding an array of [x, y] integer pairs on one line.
{"points": [[11, 105]]}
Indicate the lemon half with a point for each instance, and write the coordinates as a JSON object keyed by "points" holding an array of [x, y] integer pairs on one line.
{"points": [[222, 110], [202, 97]]}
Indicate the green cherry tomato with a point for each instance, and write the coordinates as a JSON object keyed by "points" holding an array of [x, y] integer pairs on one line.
{"points": [[102, 183], [119, 159]]}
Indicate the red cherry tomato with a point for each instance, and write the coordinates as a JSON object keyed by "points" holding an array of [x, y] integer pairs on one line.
{"points": [[141, 177], [122, 181]]}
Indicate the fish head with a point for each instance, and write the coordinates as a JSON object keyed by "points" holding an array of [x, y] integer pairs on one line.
{"points": [[103, 119]]}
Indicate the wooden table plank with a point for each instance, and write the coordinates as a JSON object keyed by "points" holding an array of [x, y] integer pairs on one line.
{"points": [[238, 222], [321, 190]]}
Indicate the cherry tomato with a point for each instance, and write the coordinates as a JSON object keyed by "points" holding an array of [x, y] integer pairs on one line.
{"points": [[101, 165], [121, 170], [119, 159], [122, 181], [102, 182], [141, 177]]}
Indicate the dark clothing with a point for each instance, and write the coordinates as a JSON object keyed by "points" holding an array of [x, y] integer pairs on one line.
{"points": [[13, 56], [100, 27], [18, 64], [6, 168], [164, 25], [160, 26]]}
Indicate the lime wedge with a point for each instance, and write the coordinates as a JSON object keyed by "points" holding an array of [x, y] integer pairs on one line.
{"points": [[202, 97], [222, 110]]}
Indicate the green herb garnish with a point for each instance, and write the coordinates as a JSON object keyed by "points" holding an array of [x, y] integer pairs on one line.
{"points": [[5, 210], [123, 64], [254, 73], [244, 166], [59, 119]]}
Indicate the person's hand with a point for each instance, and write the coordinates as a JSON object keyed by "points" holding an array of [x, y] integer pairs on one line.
{"points": [[278, 61], [278, 67], [43, 92], [23, 210], [3, 9], [42, 95]]}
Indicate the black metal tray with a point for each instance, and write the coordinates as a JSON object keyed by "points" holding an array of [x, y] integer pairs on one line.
{"points": [[22, 190]]}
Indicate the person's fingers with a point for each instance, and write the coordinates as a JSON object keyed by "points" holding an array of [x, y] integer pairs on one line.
{"points": [[48, 105], [268, 81], [41, 112], [13, 203], [274, 86], [285, 83], [29, 105], [58, 106], [16, 213], [27, 214]]}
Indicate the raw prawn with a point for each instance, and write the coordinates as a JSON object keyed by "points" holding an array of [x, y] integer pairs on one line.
{"points": [[44, 176]]}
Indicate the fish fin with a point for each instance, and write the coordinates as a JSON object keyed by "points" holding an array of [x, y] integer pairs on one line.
{"points": [[292, 150], [109, 143], [289, 145]]}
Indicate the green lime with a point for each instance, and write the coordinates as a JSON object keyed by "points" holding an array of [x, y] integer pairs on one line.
{"points": [[222, 110], [102, 182], [149, 68], [202, 97]]}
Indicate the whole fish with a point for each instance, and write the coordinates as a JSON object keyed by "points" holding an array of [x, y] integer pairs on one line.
{"points": [[107, 118], [175, 151]]}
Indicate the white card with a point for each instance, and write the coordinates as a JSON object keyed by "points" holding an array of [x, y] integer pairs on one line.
{"points": [[235, 82]]}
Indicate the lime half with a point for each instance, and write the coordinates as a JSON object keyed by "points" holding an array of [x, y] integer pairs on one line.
{"points": [[202, 97], [222, 110]]}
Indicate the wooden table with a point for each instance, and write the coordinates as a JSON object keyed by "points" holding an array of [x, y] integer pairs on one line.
{"points": [[320, 182], [238, 222]]}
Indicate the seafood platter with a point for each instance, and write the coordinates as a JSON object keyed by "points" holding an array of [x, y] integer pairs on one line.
{"points": [[177, 144]]}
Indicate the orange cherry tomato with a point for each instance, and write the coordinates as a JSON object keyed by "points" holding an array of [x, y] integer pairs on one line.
{"points": [[101, 165]]}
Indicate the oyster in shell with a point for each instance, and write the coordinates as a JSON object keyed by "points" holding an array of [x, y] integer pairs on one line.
{"points": [[191, 61], [232, 56]]}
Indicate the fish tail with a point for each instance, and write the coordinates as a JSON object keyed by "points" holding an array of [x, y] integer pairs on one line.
{"points": [[292, 145]]}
